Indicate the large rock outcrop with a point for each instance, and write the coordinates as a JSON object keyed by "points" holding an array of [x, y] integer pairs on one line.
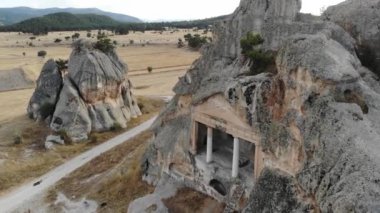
{"points": [[317, 117], [95, 94], [362, 20], [49, 84]]}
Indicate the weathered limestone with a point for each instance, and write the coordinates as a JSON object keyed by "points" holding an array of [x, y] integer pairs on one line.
{"points": [[95, 94], [49, 84], [361, 19], [316, 120]]}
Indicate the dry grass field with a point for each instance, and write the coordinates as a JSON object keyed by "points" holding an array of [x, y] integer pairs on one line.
{"points": [[20, 162]]}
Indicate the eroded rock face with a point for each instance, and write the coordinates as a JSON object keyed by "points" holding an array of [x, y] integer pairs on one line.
{"points": [[96, 94], [361, 19], [49, 84], [317, 118]]}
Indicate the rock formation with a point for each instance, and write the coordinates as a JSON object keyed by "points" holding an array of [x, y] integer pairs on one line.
{"points": [[94, 95], [45, 96], [308, 133]]}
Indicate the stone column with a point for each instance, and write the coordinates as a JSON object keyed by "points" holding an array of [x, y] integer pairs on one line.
{"points": [[235, 158], [209, 145]]}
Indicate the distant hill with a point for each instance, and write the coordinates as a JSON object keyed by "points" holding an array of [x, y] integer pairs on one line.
{"points": [[14, 15], [72, 22], [63, 21]]}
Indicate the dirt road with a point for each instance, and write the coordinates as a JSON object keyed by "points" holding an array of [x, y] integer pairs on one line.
{"points": [[12, 200]]}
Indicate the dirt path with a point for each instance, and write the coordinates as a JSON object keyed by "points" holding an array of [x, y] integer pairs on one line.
{"points": [[12, 200]]}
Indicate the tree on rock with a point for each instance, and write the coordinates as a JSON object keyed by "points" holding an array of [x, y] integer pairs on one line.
{"points": [[251, 49], [104, 44]]}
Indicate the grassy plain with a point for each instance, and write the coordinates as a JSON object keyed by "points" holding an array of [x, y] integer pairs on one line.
{"points": [[20, 162]]}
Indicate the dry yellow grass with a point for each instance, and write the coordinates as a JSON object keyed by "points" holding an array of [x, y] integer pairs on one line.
{"points": [[189, 201], [21, 162], [18, 163], [112, 179]]}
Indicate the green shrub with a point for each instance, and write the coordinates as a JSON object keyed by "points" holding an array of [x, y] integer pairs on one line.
{"points": [[62, 64], [67, 38], [89, 35], [42, 53], [250, 42], [196, 41], [150, 69], [116, 127], [57, 40], [17, 139], [180, 43], [75, 36], [104, 44], [261, 60], [65, 137], [94, 138]]}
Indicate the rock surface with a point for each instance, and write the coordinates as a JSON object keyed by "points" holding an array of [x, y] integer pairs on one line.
{"points": [[49, 84], [95, 94], [362, 20], [317, 118]]}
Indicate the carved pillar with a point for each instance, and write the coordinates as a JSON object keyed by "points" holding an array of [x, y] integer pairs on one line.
{"points": [[209, 145], [235, 158]]}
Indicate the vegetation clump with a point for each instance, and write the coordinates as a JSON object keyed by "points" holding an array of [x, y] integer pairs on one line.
{"points": [[104, 44], [62, 64], [196, 41], [42, 53], [150, 69], [251, 49], [180, 43], [17, 139]]}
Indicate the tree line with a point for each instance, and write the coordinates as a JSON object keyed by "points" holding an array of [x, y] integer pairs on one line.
{"points": [[77, 22]]}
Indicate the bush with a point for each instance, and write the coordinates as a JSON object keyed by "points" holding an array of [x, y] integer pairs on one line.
{"points": [[104, 44], [57, 40], [32, 38], [75, 36], [24, 54], [116, 127], [114, 42], [89, 35], [196, 41], [67, 38], [42, 53], [94, 138], [17, 139], [251, 50], [62, 64], [180, 43], [65, 137], [131, 42], [150, 69]]}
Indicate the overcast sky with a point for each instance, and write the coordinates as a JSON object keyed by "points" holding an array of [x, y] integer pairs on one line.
{"points": [[160, 9]]}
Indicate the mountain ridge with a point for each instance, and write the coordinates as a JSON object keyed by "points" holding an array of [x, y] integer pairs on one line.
{"points": [[13, 15]]}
